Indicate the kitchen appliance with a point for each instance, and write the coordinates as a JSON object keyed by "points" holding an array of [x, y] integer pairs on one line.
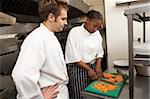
{"points": [[142, 59], [8, 56]]}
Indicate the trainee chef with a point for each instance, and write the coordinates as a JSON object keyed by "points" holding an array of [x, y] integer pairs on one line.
{"points": [[83, 54]]}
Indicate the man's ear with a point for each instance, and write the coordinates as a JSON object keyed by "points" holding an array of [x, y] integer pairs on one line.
{"points": [[51, 17]]}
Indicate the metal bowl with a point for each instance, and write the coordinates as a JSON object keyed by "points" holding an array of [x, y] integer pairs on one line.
{"points": [[143, 70]]}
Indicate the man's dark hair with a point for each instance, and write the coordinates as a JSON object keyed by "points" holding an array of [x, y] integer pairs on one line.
{"points": [[50, 6], [94, 15]]}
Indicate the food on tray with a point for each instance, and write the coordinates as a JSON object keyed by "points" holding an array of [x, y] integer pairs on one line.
{"points": [[112, 80], [104, 87], [119, 78], [113, 77], [107, 75]]}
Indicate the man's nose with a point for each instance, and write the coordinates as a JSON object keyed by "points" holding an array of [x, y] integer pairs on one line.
{"points": [[66, 23]]}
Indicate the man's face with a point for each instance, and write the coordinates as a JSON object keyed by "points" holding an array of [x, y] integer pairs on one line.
{"points": [[61, 21], [94, 25]]}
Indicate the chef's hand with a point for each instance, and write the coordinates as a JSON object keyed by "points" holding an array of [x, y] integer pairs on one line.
{"points": [[51, 92], [99, 71], [92, 74]]}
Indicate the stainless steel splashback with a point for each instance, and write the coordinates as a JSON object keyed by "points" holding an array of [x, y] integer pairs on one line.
{"points": [[8, 55], [8, 45]]}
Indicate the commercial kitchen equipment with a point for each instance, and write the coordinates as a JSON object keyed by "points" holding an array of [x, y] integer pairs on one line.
{"points": [[8, 56], [7, 19], [139, 14], [26, 21], [142, 59], [21, 9], [11, 37]]}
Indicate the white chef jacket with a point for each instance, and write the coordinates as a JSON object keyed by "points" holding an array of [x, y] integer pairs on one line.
{"points": [[82, 45], [40, 64]]}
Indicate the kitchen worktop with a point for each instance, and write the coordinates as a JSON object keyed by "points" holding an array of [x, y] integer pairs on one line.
{"points": [[141, 90]]}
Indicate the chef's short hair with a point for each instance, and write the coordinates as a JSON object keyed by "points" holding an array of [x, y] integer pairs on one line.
{"points": [[94, 15], [50, 6]]}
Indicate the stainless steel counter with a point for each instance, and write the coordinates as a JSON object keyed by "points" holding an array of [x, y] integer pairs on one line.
{"points": [[141, 90]]}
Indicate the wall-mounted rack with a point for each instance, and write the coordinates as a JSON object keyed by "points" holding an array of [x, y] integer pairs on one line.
{"points": [[122, 2]]}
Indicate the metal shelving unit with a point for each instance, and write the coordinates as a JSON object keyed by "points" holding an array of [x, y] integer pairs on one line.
{"points": [[134, 14]]}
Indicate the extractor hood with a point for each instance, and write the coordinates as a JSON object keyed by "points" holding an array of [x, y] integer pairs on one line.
{"points": [[27, 10], [80, 5], [7, 19]]}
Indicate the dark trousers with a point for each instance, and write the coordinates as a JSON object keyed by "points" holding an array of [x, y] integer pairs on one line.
{"points": [[78, 80]]}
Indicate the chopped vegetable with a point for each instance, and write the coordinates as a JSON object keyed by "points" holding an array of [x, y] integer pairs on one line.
{"points": [[113, 78], [104, 87]]}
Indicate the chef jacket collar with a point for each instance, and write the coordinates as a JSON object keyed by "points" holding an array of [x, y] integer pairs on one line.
{"points": [[87, 33], [46, 29]]}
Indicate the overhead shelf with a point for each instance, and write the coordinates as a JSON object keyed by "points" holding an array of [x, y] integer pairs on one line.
{"points": [[140, 14], [140, 18], [121, 2], [137, 10], [7, 19], [27, 10], [129, 2], [79, 4]]}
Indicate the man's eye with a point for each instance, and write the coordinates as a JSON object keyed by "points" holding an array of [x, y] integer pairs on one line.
{"points": [[64, 19]]}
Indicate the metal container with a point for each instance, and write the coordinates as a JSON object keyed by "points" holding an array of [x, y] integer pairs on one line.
{"points": [[143, 70], [142, 59], [122, 66]]}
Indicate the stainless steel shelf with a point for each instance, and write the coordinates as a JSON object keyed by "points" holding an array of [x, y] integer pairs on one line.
{"points": [[130, 14], [142, 61]]}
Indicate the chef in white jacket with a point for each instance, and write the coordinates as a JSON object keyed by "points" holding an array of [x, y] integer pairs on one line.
{"points": [[40, 71], [83, 54]]}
